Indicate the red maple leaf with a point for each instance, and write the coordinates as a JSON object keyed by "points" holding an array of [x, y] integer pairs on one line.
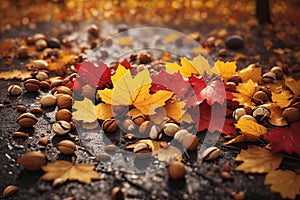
{"points": [[124, 63], [211, 90], [172, 82], [93, 75], [285, 139], [213, 118]]}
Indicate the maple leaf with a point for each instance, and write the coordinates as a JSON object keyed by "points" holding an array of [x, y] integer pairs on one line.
{"points": [[174, 109], [258, 160], [246, 91], [286, 182], [250, 73], [15, 74], [212, 91], [65, 170], [293, 85], [59, 65], [90, 74], [104, 111], [213, 118], [172, 82], [196, 67], [251, 129], [225, 69], [134, 91], [285, 139], [85, 110], [282, 99]]}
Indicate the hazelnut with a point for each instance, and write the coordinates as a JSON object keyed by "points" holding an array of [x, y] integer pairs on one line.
{"points": [[61, 127], [291, 114], [21, 108], [66, 146], [63, 114], [36, 110], [103, 156], [260, 97], [64, 101], [144, 128], [89, 91], [142, 150], [109, 125], [238, 113], [248, 117], [48, 100], [176, 170], [32, 85], [170, 129], [210, 153], [32, 160], [190, 142], [117, 194], [27, 120], [230, 86], [20, 134], [40, 64], [278, 71], [261, 113], [14, 90], [235, 78], [269, 77], [56, 83], [41, 76], [139, 119], [45, 85], [23, 52], [43, 141], [9, 191], [155, 133], [128, 125], [248, 110]]}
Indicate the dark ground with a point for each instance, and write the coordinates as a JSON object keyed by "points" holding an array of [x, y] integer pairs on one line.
{"points": [[202, 180]]}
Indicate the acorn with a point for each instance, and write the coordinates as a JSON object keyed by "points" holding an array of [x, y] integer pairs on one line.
{"points": [[260, 97], [291, 114], [269, 77]]}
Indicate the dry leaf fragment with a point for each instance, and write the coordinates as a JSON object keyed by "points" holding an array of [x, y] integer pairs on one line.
{"points": [[286, 182], [18, 74], [276, 118], [246, 91], [85, 110], [250, 73], [65, 170], [293, 85], [225, 69], [251, 129], [282, 99], [258, 160]]}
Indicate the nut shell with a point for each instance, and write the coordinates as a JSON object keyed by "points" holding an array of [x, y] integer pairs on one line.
{"points": [[291, 114], [9, 191], [179, 135], [32, 160], [14, 90], [261, 113], [110, 125], [260, 97], [142, 150], [190, 142], [61, 127], [63, 114], [66, 146], [176, 170], [27, 120], [210, 153], [48, 100], [170, 129], [32, 85], [64, 101], [238, 113]]}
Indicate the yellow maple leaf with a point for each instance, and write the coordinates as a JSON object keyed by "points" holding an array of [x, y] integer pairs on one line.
{"points": [[65, 170], [282, 99], [240, 138], [286, 182], [293, 85], [225, 69], [197, 66], [15, 74], [134, 91], [85, 110], [174, 109], [251, 129], [250, 73], [104, 111], [258, 160], [246, 91]]}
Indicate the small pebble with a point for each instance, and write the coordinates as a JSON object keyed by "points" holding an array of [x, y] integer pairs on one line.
{"points": [[234, 42]]}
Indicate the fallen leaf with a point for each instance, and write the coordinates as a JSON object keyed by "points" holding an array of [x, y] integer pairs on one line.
{"points": [[246, 91], [285, 139], [85, 110], [15, 74], [282, 99], [251, 129], [65, 170], [276, 118], [225, 69], [250, 73], [286, 182], [125, 41], [168, 154], [238, 139], [104, 111], [174, 109], [134, 91], [293, 85], [257, 160]]}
